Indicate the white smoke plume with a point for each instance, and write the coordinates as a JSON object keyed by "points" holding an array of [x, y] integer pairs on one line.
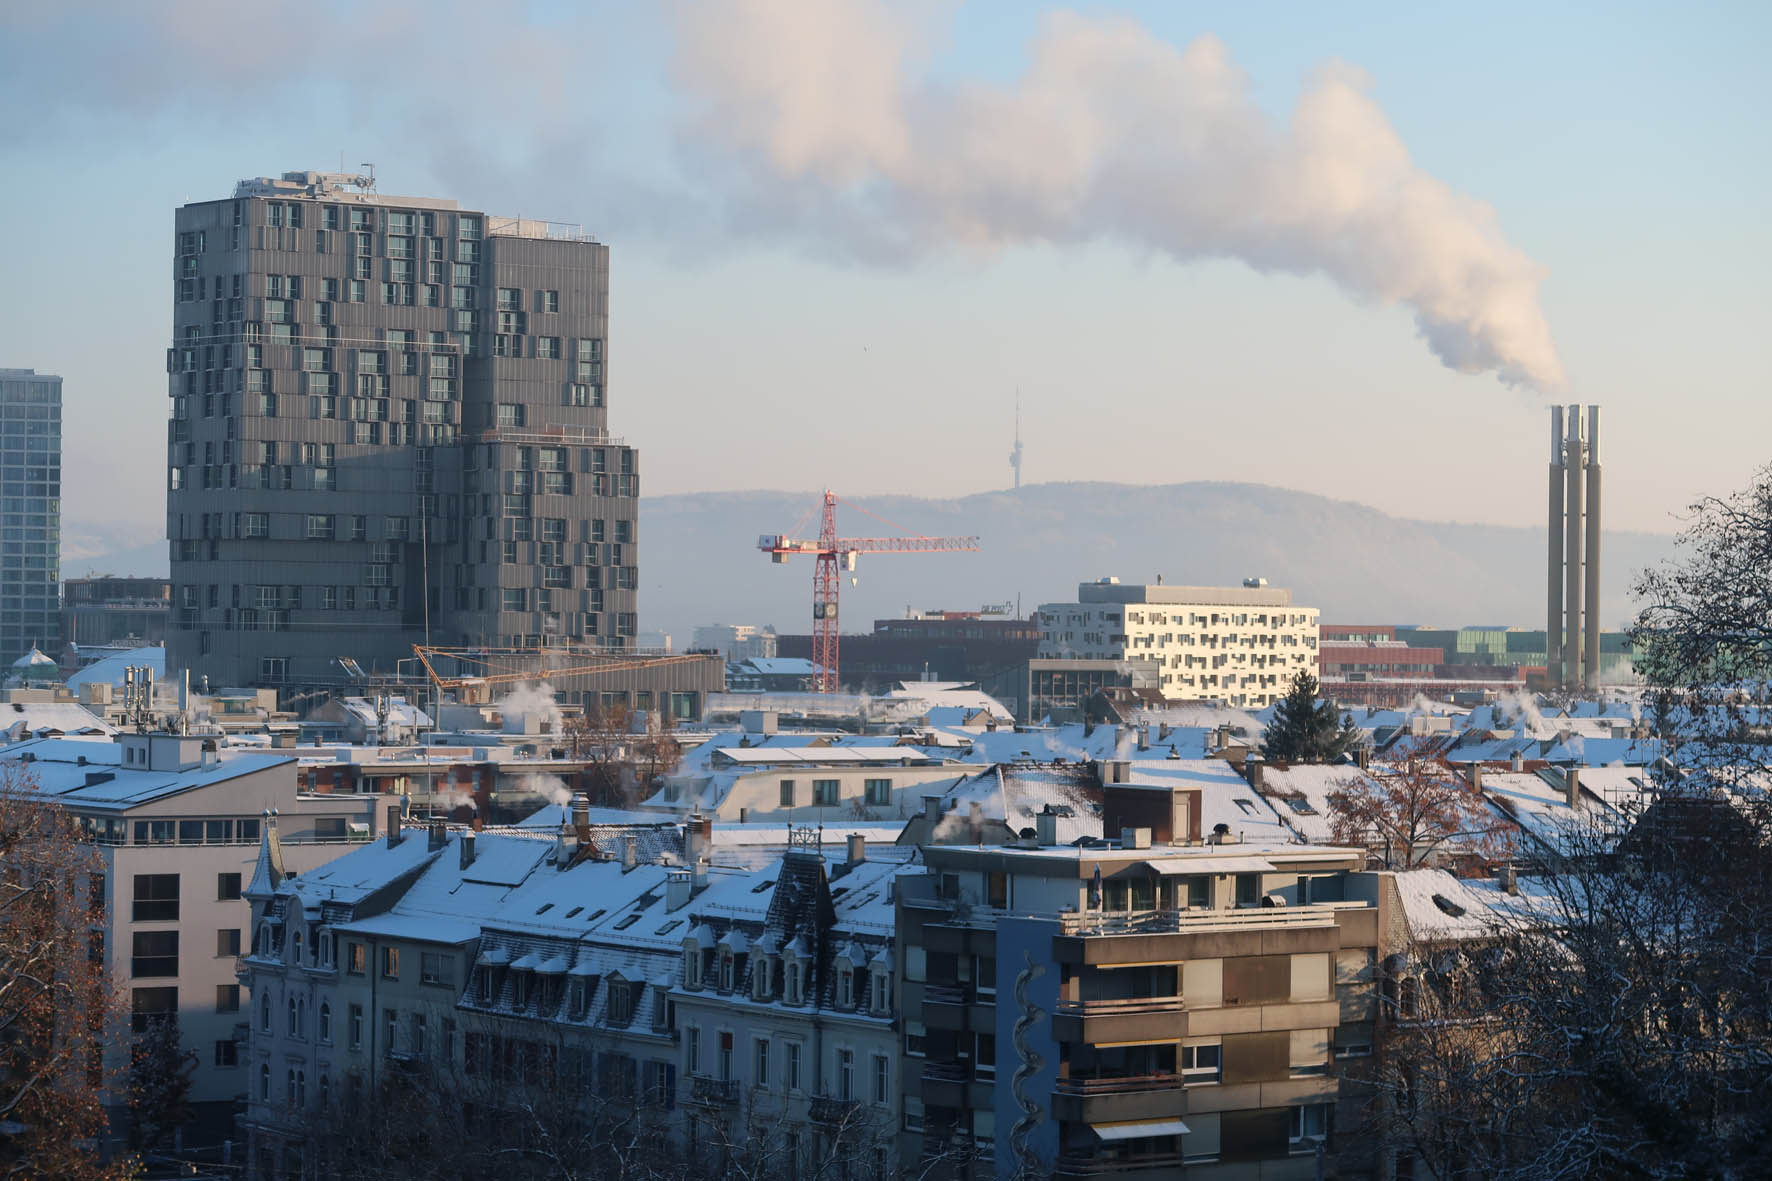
{"points": [[550, 786], [1108, 133], [532, 701], [1519, 706]]}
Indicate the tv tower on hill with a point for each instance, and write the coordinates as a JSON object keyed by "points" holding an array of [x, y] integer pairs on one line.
{"points": [[1015, 453]]}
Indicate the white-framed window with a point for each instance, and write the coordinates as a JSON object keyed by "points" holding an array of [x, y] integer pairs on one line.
{"points": [[1202, 1062], [845, 1074], [760, 1064], [1310, 1123], [692, 1049], [882, 1078], [790, 1075]]}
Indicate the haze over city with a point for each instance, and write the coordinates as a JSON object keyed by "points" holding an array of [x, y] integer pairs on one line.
{"points": [[838, 263]]}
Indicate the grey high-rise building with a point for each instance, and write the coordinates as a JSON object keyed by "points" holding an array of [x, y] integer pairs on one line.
{"points": [[30, 512], [389, 421]]}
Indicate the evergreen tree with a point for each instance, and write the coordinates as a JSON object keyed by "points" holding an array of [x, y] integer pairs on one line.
{"points": [[1305, 730], [159, 1083]]}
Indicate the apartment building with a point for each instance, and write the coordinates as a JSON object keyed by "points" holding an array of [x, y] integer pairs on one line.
{"points": [[179, 825], [726, 1010], [1139, 1007], [30, 511], [389, 421], [808, 782], [1237, 646]]}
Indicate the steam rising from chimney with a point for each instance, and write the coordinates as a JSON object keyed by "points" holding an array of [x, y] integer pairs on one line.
{"points": [[1108, 133]]}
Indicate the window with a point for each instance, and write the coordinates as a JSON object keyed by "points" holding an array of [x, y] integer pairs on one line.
{"points": [[156, 896], [621, 1002], [1202, 1063], [324, 1027], [824, 793], [879, 792], [882, 1078], [264, 1013], [390, 963], [227, 1053], [1310, 1052], [227, 942], [148, 1004], [432, 970], [548, 347], [787, 793], [356, 958], [1248, 889], [391, 1031], [547, 301], [227, 998], [510, 414], [725, 1063], [1309, 1124], [356, 1029], [846, 1075], [760, 1069], [320, 527], [791, 1075], [264, 1084]]}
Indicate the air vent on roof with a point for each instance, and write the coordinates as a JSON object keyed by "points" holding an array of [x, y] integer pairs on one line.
{"points": [[762, 886], [669, 927], [574, 911], [627, 922]]}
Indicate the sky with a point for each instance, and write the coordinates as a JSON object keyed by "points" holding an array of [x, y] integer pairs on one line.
{"points": [[1350, 249]]}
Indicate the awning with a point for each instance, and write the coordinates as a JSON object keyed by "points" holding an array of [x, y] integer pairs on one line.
{"points": [[1134, 1129], [1172, 866]]}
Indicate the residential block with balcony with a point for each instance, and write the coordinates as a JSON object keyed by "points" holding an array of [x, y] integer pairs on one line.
{"points": [[1133, 1007]]}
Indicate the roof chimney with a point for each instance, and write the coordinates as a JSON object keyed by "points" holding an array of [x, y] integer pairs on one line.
{"points": [[1475, 773], [1363, 757], [698, 837], [436, 836], [1517, 763], [1509, 878], [394, 833], [581, 819], [1144, 736], [678, 889], [467, 849], [630, 856], [1046, 826], [932, 807], [1572, 785], [858, 849], [1252, 770]]}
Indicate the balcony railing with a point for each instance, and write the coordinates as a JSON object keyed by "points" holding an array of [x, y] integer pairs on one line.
{"points": [[833, 1112], [946, 1072], [713, 1092], [1099, 1166], [1122, 1006], [1147, 922], [944, 994], [1117, 1085]]}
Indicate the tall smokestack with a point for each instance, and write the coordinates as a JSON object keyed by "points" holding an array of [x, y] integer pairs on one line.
{"points": [[1553, 627], [1591, 649], [1572, 513]]}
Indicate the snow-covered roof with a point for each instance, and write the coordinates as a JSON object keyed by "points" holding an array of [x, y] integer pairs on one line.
{"points": [[1225, 797], [1300, 794], [109, 670], [48, 719], [91, 775]]}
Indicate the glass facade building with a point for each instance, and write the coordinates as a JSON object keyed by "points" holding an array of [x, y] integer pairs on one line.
{"points": [[30, 512]]}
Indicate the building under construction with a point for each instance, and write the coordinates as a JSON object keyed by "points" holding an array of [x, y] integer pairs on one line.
{"points": [[581, 678]]}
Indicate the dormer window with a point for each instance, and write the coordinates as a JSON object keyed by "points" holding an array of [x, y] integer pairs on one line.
{"points": [[846, 986], [580, 997], [726, 971], [295, 945], [621, 1001], [761, 972], [880, 991], [691, 967], [325, 942], [483, 985], [520, 989], [795, 984]]}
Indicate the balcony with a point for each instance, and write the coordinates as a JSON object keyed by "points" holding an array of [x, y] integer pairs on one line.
{"points": [[833, 1113], [944, 1084], [1116, 1099], [1121, 1019], [713, 1092], [1166, 1164], [944, 1007]]}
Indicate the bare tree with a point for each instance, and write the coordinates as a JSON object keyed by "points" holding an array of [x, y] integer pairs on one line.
{"points": [[57, 1004], [1412, 813]]}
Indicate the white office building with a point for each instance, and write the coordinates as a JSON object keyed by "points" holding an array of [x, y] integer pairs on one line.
{"points": [[1237, 646]]}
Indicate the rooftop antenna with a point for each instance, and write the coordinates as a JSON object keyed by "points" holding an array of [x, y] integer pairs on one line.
{"points": [[1015, 454]]}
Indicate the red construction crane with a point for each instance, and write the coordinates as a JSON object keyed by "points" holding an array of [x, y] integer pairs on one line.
{"points": [[826, 578]]}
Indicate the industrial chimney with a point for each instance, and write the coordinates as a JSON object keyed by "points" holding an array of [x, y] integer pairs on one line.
{"points": [[1572, 609]]}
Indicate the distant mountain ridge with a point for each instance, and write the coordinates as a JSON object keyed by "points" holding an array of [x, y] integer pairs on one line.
{"points": [[700, 564]]}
